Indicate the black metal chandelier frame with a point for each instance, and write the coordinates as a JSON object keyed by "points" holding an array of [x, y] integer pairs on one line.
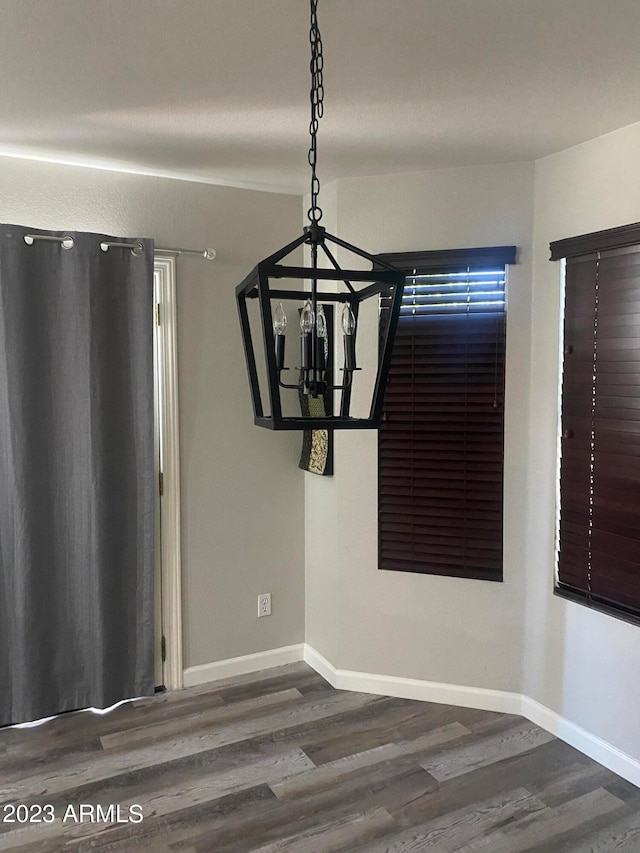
{"points": [[315, 372], [388, 281]]}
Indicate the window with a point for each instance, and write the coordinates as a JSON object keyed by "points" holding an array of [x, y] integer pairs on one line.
{"points": [[440, 447], [598, 561]]}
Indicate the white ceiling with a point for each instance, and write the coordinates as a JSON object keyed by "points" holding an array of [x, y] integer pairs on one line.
{"points": [[217, 90]]}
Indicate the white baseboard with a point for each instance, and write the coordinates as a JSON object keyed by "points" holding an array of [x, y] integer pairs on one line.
{"points": [[487, 700], [205, 672], [426, 691], [600, 750], [413, 688]]}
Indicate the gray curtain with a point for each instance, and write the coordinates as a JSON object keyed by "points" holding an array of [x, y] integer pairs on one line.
{"points": [[76, 474]]}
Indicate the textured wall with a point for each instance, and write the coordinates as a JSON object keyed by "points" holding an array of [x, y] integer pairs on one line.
{"points": [[242, 493]]}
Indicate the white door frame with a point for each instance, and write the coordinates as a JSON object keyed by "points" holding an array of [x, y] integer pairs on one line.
{"points": [[166, 314]]}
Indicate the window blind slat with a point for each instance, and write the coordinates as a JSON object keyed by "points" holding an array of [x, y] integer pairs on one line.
{"points": [[441, 441]]}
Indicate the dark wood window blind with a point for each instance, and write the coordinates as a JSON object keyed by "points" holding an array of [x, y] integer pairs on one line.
{"points": [[599, 528], [440, 446]]}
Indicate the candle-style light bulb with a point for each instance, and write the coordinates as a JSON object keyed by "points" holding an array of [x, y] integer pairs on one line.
{"points": [[307, 322], [279, 326], [279, 320], [349, 327], [307, 318], [348, 320]]}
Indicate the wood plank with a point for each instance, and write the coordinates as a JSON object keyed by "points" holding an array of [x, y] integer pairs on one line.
{"points": [[204, 719], [82, 772], [384, 722], [346, 833], [67, 759], [335, 772], [517, 739], [185, 826], [572, 782], [80, 732], [211, 688], [306, 681], [621, 836], [30, 837], [547, 762], [395, 781], [204, 788], [452, 830], [547, 826]]}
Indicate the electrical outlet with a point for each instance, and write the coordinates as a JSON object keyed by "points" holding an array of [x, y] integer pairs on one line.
{"points": [[264, 604]]}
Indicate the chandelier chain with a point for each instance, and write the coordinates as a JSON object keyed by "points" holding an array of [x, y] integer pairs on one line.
{"points": [[317, 108]]}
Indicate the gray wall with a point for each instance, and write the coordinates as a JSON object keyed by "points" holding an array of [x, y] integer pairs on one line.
{"points": [[418, 626], [581, 664], [243, 522]]}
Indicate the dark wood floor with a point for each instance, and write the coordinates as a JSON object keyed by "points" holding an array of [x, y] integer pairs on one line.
{"points": [[280, 761]]}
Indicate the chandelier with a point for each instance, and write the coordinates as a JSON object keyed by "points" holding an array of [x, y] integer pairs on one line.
{"points": [[325, 303]]}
